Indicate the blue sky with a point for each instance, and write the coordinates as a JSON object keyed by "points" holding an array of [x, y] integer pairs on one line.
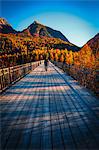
{"points": [[77, 20]]}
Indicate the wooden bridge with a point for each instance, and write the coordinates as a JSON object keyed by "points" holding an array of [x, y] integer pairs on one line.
{"points": [[49, 111]]}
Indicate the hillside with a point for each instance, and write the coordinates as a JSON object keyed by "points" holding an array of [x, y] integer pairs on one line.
{"points": [[15, 43], [5, 27], [36, 36], [39, 30], [35, 29], [92, 45], [38, 41]]}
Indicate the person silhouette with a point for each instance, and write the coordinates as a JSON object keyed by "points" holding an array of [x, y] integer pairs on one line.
{"points": [[46, 64]]}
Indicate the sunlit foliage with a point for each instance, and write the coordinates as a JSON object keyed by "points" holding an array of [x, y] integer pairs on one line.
{"points": [[82, 64]]}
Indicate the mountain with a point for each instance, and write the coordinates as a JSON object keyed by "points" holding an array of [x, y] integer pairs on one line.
{"points": [[36, 36], [92, 45], [39, 30], [35, 29], [5, 28]]}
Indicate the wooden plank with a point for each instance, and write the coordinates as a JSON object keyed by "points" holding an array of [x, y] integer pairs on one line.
{"points": [[25, 136], [12, 131], [91, 139], [57, 139], [46, 142], [36, 132], [49, 111]]}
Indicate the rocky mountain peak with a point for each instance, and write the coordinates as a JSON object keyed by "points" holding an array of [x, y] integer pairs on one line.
{"points": [[3, 21]]}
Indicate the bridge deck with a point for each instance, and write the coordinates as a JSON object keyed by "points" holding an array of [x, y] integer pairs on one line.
{"points": [[49, 111]]}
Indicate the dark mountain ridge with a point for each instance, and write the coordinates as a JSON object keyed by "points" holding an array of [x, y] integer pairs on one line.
{"points": [[92, 45], [38, 29], [35, 29], [6, 28]]}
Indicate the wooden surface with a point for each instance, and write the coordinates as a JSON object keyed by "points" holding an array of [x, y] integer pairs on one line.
{"points": [[49, 111], [9, 76]]}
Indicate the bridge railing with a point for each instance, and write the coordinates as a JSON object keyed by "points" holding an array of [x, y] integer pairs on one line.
{"points": [[85, 76], [10, 75]]}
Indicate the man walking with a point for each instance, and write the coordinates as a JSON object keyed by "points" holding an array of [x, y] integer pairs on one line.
{"points": [[46, 64]]}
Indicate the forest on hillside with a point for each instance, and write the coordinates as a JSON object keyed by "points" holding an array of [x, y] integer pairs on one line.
{"points": [[15, 49], [82, 63]]}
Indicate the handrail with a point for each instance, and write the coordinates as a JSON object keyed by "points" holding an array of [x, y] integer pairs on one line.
{"points": [[85, 76], [10, 75]]}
